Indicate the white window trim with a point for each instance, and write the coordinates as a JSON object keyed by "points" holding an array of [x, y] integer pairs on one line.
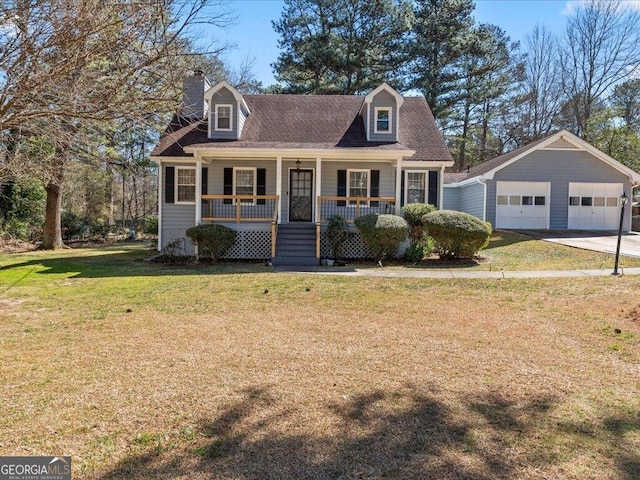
{"points": [[368, 184], [406, 185], [215, 123], [177, 184], [255, 182], [375, 120]]}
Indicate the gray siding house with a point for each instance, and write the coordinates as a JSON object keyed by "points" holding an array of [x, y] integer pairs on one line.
{"points": [[275, 168], [559, 182]]}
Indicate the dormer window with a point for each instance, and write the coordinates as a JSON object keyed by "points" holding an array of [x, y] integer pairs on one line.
{"points": [[383, 120], [223, 118]]}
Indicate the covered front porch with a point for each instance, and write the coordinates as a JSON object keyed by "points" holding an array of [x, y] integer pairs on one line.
{"points": [[263, 196], [304, 239]]}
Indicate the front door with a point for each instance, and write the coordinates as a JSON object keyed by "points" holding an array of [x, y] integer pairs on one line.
{"points": [[300, 195]]}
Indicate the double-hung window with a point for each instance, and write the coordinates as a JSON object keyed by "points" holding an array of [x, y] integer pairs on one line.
{"points": [[416, 187], [383, 120], [244, 183], [185, 185], [223, 118], [358, 184]]}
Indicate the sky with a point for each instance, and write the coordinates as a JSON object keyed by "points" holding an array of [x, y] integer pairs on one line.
{"points": [[254, 38]]}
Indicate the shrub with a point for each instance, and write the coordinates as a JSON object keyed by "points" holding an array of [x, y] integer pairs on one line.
{"points": [[151, 225], [173, 252], [337, 234], [72, 225], [212, 240], [414, 253], [383, 234], [413, 214], [457, 234]]}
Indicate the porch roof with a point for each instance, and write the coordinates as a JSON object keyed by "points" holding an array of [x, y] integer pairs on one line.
{"points": [[311, 122]]}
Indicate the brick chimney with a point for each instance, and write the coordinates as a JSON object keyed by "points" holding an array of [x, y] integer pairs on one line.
{"points": [[193, 88]]}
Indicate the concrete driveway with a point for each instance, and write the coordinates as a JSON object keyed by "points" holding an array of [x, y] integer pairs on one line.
{"points": [[596, 241]]}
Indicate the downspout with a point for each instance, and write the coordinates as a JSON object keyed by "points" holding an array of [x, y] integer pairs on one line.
{"points": [[484, 199]]}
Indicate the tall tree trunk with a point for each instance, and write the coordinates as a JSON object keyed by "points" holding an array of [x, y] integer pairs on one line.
{"points": [[52, 235]]}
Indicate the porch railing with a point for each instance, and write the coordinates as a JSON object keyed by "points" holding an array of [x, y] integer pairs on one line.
{"points": [[239, 208], [353, 207]]}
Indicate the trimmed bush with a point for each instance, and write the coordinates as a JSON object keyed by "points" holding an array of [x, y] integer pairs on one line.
{"points": [[457, 234], [212, 240], [383, 234], [413, 214]]}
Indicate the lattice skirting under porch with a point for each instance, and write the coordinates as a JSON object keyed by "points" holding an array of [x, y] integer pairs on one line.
{"points": [[251, 246], [352, 249]]}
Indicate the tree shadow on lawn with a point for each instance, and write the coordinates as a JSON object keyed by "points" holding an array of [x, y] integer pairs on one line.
{"points": [[128, 263], [408, 435]]}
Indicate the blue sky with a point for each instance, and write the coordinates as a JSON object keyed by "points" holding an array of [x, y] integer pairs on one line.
{"points": [[254, 37]]}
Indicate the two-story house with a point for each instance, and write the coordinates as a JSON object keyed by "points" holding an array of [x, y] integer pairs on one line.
{"points": [[276, 167]]}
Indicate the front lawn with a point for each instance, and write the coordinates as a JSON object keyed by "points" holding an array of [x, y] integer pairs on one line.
{"points": [[141, 370]]}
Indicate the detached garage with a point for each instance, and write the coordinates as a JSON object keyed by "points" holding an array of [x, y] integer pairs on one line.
{"points": [[559, 182]]}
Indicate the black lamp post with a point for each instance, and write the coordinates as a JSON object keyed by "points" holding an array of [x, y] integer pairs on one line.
{"points": [[623, 202]]}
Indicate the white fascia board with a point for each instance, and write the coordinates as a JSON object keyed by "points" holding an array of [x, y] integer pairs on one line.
{"points": [[426, 164], [158, 160], [385, 86], [468, 181], [299, 153], [236, 94]]}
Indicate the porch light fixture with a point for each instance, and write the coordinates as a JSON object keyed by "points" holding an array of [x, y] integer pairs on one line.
{"points": [[623, 202], [298, 163]]}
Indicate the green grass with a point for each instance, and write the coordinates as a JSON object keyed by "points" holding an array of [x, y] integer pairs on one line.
{"points": [[515, 251], [511, 251], [142, 370]]}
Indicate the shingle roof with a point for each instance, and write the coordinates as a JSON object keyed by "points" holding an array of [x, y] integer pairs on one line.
{"points": [[484, 167], [312, 121]]}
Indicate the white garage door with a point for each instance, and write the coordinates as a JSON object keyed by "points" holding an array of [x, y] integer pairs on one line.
{"points": [[522, 205], [594, 206]]}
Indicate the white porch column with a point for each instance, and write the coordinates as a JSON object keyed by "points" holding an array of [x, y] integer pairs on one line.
{"points": [[160, 202], [318, 187], [279, 187], [398, 185], [441, 190], [198, 218]]}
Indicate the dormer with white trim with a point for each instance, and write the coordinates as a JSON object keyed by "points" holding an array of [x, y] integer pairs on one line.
{"points": [[381, 114], [227, 111]]}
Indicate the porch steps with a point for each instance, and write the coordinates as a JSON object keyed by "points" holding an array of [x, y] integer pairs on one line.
{"points": [[296, 245]]}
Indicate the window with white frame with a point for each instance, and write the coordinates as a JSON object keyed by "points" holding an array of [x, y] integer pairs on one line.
{"points": [[383, 120], [244, 183], [223, 118], [185, 184], [415, 187], [358, 184]]}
